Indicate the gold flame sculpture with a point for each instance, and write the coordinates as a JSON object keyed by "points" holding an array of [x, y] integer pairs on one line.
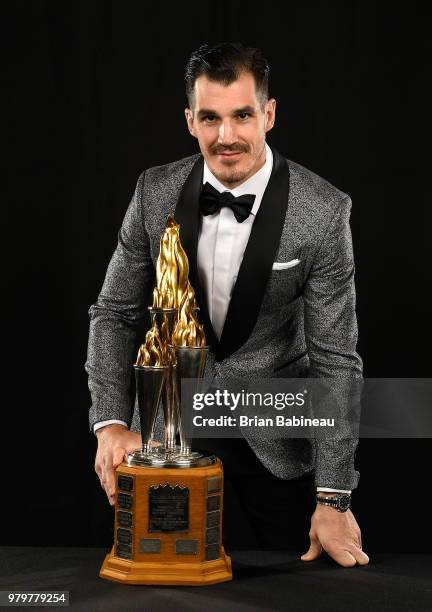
{"points": [[173, 290], [152, 351], [188, 330], [172, 268]]}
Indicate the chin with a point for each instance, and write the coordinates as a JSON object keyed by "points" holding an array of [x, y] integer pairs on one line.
{"points": [[231, 175]]}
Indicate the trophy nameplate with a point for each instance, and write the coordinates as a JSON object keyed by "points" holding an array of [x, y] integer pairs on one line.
{"points": [[168, 508]]}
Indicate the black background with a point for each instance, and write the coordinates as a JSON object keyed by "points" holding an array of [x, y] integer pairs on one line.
{"points": [[95, 94]]}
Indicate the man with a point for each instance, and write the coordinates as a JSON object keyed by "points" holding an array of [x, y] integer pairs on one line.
{"points": [[272, 266]]}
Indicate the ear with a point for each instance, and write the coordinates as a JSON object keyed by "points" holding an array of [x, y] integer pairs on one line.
{"points": [[189, 121], [270, 114]]}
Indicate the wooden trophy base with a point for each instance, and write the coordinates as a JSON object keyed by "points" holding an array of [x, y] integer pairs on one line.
{"points": [[168, 527], [168, 573]]}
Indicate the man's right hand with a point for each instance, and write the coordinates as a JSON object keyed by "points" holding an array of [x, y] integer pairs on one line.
{"points": [[114, 442]]}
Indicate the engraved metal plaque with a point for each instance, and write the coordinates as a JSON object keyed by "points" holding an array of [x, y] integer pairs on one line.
{"points": [[186, 547], [149, 545], [124, 519], [124, 501], [214, 484], [212, 552], [213, 518], [168, 508], [124, 551], [125, 483], [212, 535], [213, 503], [124, 536]]}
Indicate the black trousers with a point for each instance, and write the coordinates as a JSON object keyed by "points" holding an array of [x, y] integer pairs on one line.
{"points": [[261, 511]]}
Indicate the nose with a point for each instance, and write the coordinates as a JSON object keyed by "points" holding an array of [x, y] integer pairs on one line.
{"points": [[226, 133]]}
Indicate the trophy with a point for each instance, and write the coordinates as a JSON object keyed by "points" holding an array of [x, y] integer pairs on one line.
{"points": [[169, 498]]}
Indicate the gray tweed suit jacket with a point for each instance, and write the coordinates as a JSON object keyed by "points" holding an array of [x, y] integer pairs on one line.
{"points": [[294, 322]]}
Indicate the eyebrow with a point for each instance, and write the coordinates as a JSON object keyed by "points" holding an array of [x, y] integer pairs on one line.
{"points": [[238, 111]]}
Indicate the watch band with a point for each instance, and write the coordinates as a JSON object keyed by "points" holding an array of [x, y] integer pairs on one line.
{"points": [[340, 501]]}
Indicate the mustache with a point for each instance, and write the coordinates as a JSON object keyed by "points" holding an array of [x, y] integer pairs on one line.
{"points": [[218, 150]]}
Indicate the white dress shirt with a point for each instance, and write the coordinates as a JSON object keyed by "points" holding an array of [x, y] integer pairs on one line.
{"points": [[222, 242], [221, 245]]}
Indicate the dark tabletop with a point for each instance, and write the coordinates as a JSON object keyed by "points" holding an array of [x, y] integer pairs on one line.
{"points": [[262, 581]]}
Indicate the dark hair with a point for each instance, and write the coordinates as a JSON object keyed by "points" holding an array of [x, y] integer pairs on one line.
{"points": [[224, 63]]}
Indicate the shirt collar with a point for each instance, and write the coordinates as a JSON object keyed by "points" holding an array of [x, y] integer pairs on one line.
{"points": [[255, 184]]}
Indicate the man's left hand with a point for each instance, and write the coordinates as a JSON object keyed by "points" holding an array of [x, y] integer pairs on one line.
{"points": [[338, 534]]}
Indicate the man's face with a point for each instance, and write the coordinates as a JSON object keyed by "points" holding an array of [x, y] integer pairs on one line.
{"points": [[230, 126]]}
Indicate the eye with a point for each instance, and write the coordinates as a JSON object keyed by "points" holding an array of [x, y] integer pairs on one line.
{"points": [[243, 116], [209, 118]]}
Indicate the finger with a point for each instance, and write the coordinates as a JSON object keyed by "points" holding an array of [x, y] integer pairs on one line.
{"points": [[110, 495], [118, 456], [98, 466], [359, 555], [109, 478], [117, 459], [102, 477], [314, 551], [341, 556]]}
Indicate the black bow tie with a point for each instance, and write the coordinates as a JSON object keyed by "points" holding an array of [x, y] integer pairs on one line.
{"points": [[211, 201]]}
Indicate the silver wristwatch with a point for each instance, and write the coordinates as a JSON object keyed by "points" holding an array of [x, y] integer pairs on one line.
{"points": [[340, 501]]}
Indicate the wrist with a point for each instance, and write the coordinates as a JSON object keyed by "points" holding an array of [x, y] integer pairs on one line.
{"points": [[339, 501], [111, 427]]}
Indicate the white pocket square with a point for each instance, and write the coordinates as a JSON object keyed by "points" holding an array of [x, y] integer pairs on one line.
{"points": [[284, 265]]}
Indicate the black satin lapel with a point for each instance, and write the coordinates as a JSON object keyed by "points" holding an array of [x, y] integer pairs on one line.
{"points": [[187, 216], [259, 255]]}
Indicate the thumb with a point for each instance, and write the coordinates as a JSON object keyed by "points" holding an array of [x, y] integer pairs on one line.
{"points": [[315, 549], [134, 441]]}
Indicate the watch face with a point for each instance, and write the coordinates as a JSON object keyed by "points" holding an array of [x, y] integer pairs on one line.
{"points": [[344, 503]]}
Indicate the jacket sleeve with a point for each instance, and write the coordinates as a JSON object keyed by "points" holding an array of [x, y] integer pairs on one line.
{"points": [[116, 316], [331, 338]]}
